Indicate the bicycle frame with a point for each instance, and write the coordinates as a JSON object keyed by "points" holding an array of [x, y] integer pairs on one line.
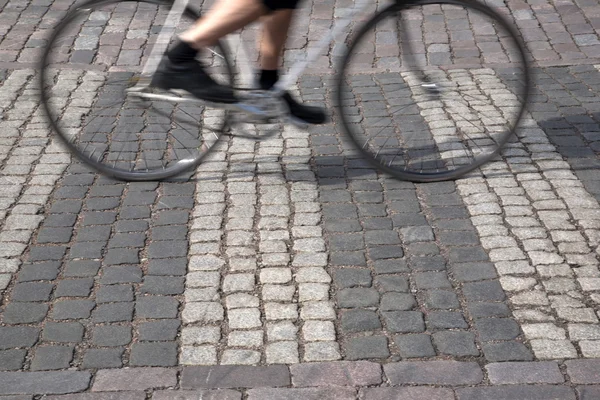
{"points": [[288, 79]]}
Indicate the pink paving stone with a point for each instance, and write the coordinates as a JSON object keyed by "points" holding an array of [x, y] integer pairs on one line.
{"points": [[109, 380], [407, 393], [322, 393], [344, 373], [433, 372], [584, 371]]}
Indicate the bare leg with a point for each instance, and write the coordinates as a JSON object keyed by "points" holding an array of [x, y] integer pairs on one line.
{"points": [[225, 17], [274, 36]]}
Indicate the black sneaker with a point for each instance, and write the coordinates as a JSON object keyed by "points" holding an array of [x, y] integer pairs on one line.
{"points": [[191, 77], [303, 113]]}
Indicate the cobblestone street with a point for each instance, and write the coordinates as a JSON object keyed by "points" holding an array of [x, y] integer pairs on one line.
{"points": [[288, 268]]}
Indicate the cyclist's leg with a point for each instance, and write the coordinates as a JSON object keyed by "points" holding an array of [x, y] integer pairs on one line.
{"points": [[275, 29], [180, 70], [225, 17]]}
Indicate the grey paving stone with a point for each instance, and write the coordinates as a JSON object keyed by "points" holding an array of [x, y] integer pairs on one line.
{"points": [[18, 336], [441, 299], [483, 291], [377, 223], [54, 235], [12, 360], [588, 392], [507, 351], [584, 371], [339, 211], [127, 239], [391, 266], [496, 329], [432, 280], [422, 249], [46, 271], [414, 345], [475, 271], [103, 358], [100, 233], [66, 206], [167, 285], [455, 343], [176, 232], [380, 237], [167, 249], [351, 277], [407, 393], [24, 313], [431, 263], [171, 217], [98, 204], [391, 283], [446, 320], [121, 274], [31, 291], [131, 226], [72, 309], [113, 380], [339, 373], [346, 242], [359, 321], [114, 293], [156, 307], [403, 220], [113, 312], [433, 373], [74, 287], [111, 335], [385, 252], [466, 254], [168, 266], [154, 354], [135, 212], [397, 302], [159, 330], [524, 372], [60, 220], [77, 268], [48, 382], [404, 321], [63, 332], [234, 376], [325, 393], [52, 357], [348, 258], [91, 250], [536, 392], [483, 310], [99, 217], [121, 256], [368, 347], [357, 297]]}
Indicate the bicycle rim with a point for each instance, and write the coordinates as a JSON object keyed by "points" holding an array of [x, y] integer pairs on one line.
{"points": [[432, 90], [97, 52]]}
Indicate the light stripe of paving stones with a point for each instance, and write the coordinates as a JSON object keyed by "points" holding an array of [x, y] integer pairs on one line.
{"points": [[539, 193], [246, 195], [30, 164]]}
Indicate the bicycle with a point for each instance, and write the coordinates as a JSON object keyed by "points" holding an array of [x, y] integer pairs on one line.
{"points": [[421, 104]]}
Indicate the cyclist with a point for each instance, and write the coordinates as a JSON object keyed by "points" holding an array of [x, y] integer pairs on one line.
{"points": [[179, 69]]}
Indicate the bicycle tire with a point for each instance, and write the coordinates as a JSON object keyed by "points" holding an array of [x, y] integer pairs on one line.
{"points": [[154, 141], [421, 123]]}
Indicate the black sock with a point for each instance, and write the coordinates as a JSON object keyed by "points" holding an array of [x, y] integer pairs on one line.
{"points": [[182, 52], [268, 78]]}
